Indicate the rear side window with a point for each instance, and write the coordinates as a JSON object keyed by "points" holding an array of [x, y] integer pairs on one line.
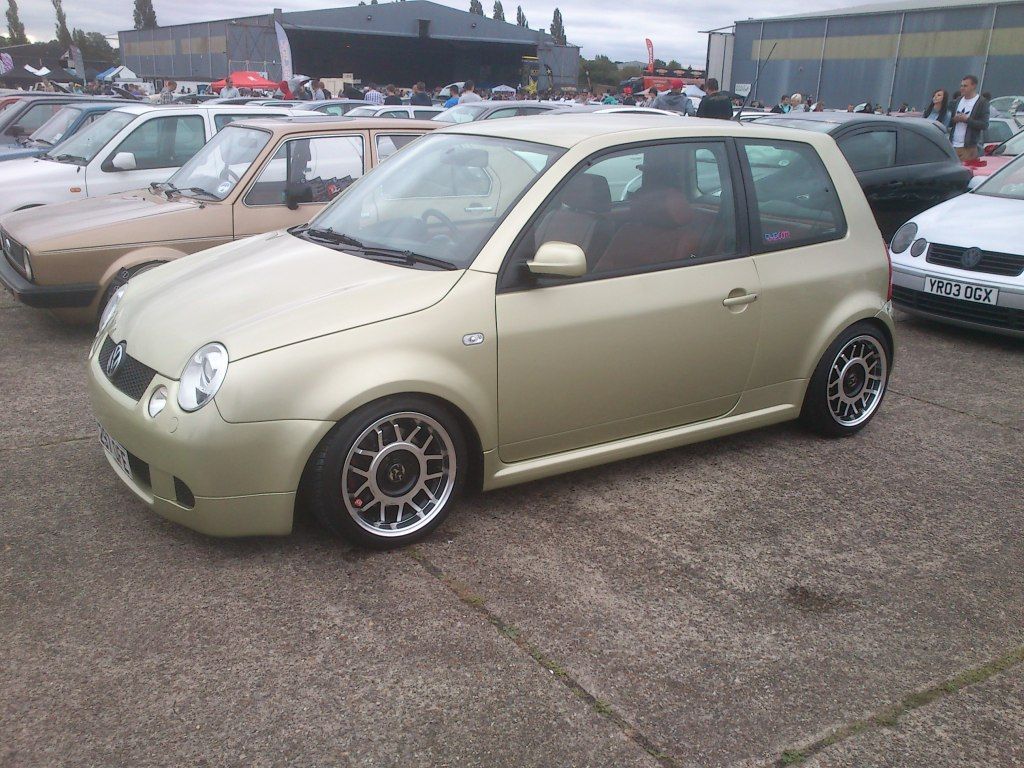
{"points": [[313, 170], [34, 117], [914, 149], [424, 114], [870, 150], [795, 200], [387, 145]]}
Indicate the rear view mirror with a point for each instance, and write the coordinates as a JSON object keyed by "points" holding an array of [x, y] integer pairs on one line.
{"points": [[124, 161], [559, 260], [990, 148], [467, 158]]}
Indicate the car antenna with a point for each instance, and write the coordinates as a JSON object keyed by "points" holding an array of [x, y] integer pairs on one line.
{"points": [[757, 76]]}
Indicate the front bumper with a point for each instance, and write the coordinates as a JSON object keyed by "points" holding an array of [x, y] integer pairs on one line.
{"points": [[196, 469], [44, 296], [1006, 317]]}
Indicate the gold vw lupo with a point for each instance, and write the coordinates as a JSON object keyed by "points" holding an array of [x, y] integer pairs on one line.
{"points": [[499, 302]]}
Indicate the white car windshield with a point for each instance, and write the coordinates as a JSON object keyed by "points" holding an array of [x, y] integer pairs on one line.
{"points": [[460, 113], [86, 144], [1006, 182], [439, 199], [216, 168], [53, 130], [362, 112]]}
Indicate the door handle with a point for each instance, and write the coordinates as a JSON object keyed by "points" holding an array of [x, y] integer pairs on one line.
{"points": [[479, 208], [736, 301]]}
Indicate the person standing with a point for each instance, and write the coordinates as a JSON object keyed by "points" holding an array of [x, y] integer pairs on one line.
{"points": [[373, 96], [716, 104], [453, 99], [229, 91], [970, 119], [939, 110], [782, 108], [319, 92], [469, 94], [167, 92], [392, 99], [420, 97], [675, 100]]}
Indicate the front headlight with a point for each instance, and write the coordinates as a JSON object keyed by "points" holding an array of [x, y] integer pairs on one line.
{"points": [[904, 237], [203, 375], [110, 310]]}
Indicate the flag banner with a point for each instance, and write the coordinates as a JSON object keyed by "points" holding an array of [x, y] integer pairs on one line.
{"points": [[75, 53], [286, 52], [6, 63], [650, 55]]}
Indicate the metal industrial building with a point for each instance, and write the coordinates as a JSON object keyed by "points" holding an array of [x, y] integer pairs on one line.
{"points": [[397, 42], [887, 53]]}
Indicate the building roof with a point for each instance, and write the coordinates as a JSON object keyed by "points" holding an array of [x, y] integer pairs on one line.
{"points": [[402, 20], [892, 7]]}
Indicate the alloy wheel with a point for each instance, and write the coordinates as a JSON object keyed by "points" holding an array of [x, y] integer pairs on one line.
{"points": [[857, 380]]}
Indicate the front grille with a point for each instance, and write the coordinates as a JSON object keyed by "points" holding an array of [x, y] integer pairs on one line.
{"points": [[1007, 318], [132, 377], [1008, 264], [15, 253]]}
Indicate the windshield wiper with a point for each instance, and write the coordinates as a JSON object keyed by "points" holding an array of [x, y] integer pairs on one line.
{"points": [[65, 158], [198, 191], [338, 238]]}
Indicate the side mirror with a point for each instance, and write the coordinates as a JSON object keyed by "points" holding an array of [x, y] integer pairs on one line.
{"points": [[990, 148], [559, 260], [124, 161], [291, 201]]}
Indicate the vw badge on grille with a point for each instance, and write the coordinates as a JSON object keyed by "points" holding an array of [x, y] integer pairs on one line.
{"points": [[115, 360], [970, 258]]}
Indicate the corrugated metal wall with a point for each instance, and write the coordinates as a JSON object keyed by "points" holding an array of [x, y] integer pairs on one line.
{"points": [[884, 58]]}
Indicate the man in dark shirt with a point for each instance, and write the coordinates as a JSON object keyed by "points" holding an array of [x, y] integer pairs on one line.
{"points": [[392, 98], [715, 104], [419, 97]]}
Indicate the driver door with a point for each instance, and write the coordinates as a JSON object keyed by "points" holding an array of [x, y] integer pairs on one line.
{"points": [[298, 180]]}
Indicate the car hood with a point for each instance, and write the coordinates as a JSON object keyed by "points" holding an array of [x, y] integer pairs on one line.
{"points": [[17, 152], [959, 222], [986, 165], [261, 293], [35, 171], [95, 222]]}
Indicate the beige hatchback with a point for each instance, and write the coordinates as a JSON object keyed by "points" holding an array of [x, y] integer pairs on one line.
{"points": [[500, 302], [252, 177]]}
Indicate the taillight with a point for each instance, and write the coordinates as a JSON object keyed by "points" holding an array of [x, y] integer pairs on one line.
{"points": [[888, 260]]}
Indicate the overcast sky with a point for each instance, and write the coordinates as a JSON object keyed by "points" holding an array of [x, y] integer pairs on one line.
{"points": [[613, 27]]}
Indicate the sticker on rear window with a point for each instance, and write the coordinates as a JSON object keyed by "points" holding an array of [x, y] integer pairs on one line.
{"points": [[774, 237]]}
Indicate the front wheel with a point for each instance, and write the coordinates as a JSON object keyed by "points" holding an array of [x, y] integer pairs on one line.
{"points": [[121, 278], [388, 474], [849, 383]]}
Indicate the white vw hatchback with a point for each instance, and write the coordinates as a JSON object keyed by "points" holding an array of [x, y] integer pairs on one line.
{"points": [[962, 262]]}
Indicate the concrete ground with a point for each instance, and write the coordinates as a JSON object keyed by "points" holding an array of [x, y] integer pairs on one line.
{"points": [[766, 599]]}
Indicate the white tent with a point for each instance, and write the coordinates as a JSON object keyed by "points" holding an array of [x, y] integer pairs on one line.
{"points": [[694, 91], [503, 89], [122, 74]]}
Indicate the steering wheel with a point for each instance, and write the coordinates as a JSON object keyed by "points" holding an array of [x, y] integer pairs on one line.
{"points": [[453, 231], [231, 175]]}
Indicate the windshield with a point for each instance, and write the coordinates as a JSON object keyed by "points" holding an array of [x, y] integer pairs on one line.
{"points": [[460, 113], [1013, 146], [1006, 182], [440, 197], [87, 143], [821, 126], [362, 112], [53, 130], [216, 168]]}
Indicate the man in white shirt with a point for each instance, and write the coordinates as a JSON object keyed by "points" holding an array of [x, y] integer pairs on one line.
{"points": [[373, 96], [229, 91], [469, 94], [970, 120]]}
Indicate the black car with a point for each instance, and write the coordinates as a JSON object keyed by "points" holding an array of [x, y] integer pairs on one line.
{"points": [[904, 165]]}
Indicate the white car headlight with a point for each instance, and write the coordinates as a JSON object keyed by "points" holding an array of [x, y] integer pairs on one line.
{"points": [[110, 310], [904, 237], [203, 375]]}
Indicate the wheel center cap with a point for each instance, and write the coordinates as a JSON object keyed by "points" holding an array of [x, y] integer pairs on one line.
{"points": [[398, 474], [854, 380]]}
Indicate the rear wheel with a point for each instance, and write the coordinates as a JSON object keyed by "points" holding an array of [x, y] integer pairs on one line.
{"points": [[849, 383], [388, 474]]}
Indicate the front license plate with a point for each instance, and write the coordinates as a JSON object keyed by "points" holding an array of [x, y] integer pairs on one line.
{"points": [[951, 289], [116, 451]]}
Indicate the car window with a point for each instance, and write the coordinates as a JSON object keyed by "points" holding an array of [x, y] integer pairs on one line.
{"points": [[662, 206], [369, 111], [387, 145], [221, 120], [312, 170], [498, 114], [997, 131], [395, 113], [795, 200], [869, 150], [532, 110], [914, 149], [33, 118], [54, 129], [163, 142], [424, 114]]}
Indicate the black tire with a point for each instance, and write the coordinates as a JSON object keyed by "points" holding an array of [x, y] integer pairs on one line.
{"points": [[122, 277], [837, 386], [335, 472]]}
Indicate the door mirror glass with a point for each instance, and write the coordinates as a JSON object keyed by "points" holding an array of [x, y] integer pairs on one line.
{"points": [[559, 260], [124, 161]]}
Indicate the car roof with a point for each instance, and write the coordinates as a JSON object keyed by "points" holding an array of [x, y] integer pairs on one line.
{"points": [[142, 109], [303, 124], [567, 130]]}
